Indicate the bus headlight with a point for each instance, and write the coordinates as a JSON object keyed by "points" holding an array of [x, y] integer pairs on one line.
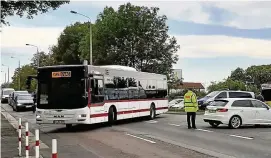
{"points": [[37, 116]]}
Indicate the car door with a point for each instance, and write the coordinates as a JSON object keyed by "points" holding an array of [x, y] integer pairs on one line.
{"points": [[263, 112], [245, 109]]}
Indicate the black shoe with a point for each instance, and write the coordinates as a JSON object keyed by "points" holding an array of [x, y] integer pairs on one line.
{"points": [[189, 127], [194, 127]]}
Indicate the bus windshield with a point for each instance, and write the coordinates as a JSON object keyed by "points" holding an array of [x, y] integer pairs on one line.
{"points": [[62, 93]]}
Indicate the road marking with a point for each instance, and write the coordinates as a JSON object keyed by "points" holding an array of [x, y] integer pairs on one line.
{"points": [[204, 130], [174, 124], [151, 121], [147, 140], [241, 137]]}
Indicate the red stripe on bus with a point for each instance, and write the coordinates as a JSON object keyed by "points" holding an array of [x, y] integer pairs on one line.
{"points": [[116, 101], [126, 112]]}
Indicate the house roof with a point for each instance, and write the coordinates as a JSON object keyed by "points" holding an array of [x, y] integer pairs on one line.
{"points": [[193, 85]]}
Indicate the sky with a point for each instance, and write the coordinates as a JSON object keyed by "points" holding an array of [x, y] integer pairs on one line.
{"points": [[214, 37]]}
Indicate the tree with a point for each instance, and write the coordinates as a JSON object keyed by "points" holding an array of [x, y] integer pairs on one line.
{"points": [[67, 50], [135, 36], [260, 74], [30, 8], [25, 71], [238, 74], [44, 59], [227, 84], [131, 36]]}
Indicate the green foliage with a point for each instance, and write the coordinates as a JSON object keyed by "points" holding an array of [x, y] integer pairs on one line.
{"points": [[132, 36], [237, 80], [44, 59], [5, 85], [67, 50], [25, 71], [30, 8]]}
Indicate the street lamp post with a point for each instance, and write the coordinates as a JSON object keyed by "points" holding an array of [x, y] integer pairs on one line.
{"points": [[38, 59], [5, 76], [19, 72], [8, 70], [90, 35]]}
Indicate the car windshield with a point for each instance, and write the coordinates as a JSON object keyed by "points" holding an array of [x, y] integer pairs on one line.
{"points": [[25, 97], [21, 92], [212, 94], [7, 92], [175, 101], [220, 103]]}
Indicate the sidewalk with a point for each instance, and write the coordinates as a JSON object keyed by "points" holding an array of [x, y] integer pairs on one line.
{"points": [[9, 139]]}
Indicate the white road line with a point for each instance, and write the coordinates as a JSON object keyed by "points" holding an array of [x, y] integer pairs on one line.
{"points": [[174, 124], [204, 130], [141, 138], [241, 137], [151, 121]]}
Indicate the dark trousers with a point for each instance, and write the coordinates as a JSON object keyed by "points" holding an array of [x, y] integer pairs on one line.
{"points": [[191, 116]]}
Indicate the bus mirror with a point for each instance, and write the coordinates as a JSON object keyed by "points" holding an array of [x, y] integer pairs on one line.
{"points": [[28, 82]]}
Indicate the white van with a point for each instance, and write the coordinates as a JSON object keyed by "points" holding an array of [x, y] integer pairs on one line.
{"points": [[5, 92], [205, 101]]}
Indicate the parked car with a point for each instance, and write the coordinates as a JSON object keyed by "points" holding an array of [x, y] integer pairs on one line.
{"points": [[14, 94], [5, 93], [174, 101], [209, 98], [235, 112], [23, 101]]}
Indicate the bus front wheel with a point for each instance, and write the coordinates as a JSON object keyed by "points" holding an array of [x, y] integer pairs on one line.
{"points": [[68, 126]]}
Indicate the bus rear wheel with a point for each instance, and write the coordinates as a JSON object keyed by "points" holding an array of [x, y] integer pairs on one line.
{"points": [[112, 116], [152, 112]]}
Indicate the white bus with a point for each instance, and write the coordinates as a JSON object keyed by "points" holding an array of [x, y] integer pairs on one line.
{"points": [[86, 94]]}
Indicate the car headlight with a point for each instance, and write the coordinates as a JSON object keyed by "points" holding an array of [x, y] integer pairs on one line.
{"points": [[19, 104]]}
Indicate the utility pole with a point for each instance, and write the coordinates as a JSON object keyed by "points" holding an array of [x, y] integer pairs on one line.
{"points": [[90, 35]]}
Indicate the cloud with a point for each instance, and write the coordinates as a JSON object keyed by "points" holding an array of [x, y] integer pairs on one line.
{"points": [[245, 15], [15, 38], [194, 46]]}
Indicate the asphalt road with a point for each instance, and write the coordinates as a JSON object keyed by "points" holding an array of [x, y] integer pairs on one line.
{"points": [[167, 136]]}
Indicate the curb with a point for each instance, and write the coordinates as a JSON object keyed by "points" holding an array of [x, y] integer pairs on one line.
{"points": [[15, 125]]}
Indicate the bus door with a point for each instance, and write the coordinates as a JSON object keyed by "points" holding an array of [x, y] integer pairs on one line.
{"points": [[96, 90]]}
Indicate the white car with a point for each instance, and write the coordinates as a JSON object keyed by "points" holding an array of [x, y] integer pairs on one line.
{"points": [[235, 112], [176, 103]]}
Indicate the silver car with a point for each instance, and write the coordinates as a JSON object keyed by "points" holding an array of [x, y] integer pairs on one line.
{"points": [[23, 101]]}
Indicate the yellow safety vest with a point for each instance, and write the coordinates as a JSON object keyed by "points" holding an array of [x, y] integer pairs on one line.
{"points": [[190, 102]]}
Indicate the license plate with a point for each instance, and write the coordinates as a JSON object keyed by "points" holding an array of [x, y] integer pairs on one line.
{"points": [[58, 121], [212, 111], [28, 106]]}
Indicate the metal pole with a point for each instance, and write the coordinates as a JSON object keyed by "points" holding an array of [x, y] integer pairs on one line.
{"points": [[19, 75], [38, 59], [8, 74], [90, 43]]}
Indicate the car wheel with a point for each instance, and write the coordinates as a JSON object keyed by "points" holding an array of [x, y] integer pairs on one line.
{"points": [[235, 122], [214, 124]]}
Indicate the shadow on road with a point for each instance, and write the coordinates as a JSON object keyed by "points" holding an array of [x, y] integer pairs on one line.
{"points": [[98, 126], [242, 127]]}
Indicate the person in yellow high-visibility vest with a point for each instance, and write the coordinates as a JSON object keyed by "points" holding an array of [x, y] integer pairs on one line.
{"points": [[191, 107]]}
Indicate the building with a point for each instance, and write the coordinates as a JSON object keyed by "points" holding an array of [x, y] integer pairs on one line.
{"points": [[194, 85]]}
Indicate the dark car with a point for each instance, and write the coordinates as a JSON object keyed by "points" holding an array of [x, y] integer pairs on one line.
{"points": [[23, 101]]}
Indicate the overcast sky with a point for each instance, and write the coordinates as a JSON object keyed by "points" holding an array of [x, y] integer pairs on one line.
{"points": [[215, 37]]}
